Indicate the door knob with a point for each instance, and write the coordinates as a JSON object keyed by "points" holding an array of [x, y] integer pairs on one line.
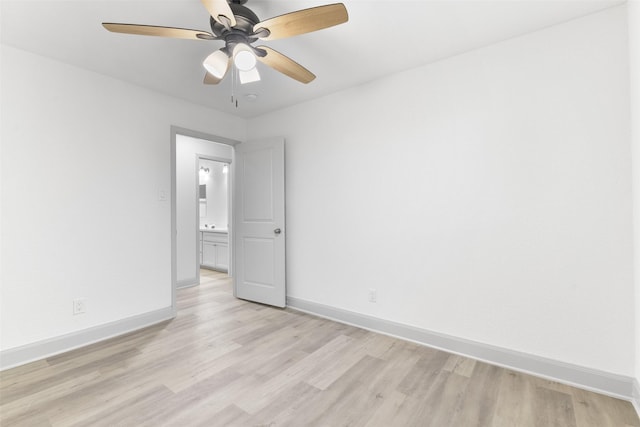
{"points": [[277, 231]]}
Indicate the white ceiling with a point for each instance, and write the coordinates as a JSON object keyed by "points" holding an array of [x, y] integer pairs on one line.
{"points": [[382, 37]]}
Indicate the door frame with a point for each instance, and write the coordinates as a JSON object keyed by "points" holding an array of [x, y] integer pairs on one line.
{"points": [[174, 131]]}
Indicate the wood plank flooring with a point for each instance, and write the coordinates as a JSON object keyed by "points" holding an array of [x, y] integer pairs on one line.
{"points": [[227, 362]]}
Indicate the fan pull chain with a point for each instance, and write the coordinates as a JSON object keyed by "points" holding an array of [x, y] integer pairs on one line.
{"points": [[234, 80]]}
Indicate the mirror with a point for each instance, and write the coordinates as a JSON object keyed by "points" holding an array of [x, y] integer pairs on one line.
{"points": [[203, 200], [213, 193]]}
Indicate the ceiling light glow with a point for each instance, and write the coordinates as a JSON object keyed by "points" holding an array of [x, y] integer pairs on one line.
{"points": [[243, 58]]}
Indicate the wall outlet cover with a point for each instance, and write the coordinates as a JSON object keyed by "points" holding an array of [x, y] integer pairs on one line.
{"points": [[79, 306], [373, 295]]}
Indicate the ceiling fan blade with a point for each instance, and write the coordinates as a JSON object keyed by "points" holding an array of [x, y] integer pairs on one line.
{"points": [[285, 65], [217, 65], [218, 8], [153, 30], [303, 21]]}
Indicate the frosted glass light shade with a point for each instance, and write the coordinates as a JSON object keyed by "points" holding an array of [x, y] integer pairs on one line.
{"points": [[216, 64], [249, 76], [243, 58]]}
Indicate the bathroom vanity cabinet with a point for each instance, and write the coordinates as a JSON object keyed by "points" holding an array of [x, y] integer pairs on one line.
{"points": [[214, 247]]}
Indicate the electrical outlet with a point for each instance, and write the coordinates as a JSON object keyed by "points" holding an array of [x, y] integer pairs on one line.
{"points": [[373, 295], [79, 306]]}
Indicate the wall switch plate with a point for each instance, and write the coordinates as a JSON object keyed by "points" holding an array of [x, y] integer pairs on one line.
{"points": [[79, 306], [373, 295]]}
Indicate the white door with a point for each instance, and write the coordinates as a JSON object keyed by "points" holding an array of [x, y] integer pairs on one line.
{"points": [[259, 234]]}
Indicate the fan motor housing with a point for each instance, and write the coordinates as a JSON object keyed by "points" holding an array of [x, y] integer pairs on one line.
{"points": [[245, 20]]}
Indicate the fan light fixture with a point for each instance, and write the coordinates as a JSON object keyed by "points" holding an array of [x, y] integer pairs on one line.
{"points": [[243, 58], [216, 64], [249, 76], [245, 61]]}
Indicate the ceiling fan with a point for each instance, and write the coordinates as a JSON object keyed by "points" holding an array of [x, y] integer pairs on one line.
{"points": [[239, 27]]}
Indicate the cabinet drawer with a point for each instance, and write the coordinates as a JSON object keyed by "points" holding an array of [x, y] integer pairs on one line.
{"points": [[215, 237]]}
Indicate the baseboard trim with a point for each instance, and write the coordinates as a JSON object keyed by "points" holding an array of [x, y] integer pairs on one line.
{"points": [[614, 385], [187, 283], [17, 356], [635, 400]]}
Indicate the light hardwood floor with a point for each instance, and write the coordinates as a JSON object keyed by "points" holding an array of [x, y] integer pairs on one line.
{"points": [[226, 362]]}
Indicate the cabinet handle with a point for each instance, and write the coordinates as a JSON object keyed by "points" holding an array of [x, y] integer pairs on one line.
{"points": [[277, 231]]}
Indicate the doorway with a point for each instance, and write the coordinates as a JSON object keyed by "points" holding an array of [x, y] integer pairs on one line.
{"points": [[256, 218], [187, 149], [214, 207]]}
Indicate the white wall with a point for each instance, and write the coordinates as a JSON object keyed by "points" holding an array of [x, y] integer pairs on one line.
{"points": [[188, 150], [486, 196], [633, 13], [84, 157]]}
